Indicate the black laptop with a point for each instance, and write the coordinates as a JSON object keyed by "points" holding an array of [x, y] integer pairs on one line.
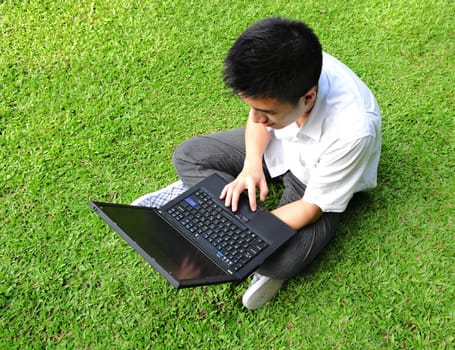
{"points": [[195, 240]]}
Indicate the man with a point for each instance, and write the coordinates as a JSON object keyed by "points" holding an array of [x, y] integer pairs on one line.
{"points": [[313, 125]]}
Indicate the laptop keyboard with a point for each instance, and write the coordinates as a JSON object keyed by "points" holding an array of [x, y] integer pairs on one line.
{"points": [[231, 241]]}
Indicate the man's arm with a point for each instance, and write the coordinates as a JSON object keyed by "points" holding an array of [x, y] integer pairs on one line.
{"points": [[252, 176], [298, 214]]}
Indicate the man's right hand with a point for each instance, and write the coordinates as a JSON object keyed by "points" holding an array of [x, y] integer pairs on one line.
{"points": [[249, 179]]}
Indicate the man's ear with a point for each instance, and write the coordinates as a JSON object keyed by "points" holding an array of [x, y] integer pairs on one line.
{"points": [[310, 96]]}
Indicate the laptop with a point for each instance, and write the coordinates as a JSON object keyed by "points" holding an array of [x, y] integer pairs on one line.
{"points": [[195, 240]]}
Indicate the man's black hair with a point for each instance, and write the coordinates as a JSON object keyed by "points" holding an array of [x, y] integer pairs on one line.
{"points": [[276, 58]]}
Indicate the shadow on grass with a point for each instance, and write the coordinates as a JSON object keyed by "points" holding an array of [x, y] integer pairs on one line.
{"points": [[365, 218]]}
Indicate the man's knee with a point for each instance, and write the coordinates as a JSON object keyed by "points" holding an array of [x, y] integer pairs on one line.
{"points": [[180, 152], [184, 153]]}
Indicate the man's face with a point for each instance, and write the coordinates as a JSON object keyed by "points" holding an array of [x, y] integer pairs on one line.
{"points": [[276, 114]]}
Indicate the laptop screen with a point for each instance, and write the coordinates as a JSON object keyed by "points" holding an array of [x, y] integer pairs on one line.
{"points": [[162, 245]]}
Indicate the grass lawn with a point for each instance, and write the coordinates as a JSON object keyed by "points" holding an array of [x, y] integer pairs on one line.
{"points": [[94, 97]]}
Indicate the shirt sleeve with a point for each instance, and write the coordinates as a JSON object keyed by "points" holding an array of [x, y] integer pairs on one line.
{"points": [[339, 174]]}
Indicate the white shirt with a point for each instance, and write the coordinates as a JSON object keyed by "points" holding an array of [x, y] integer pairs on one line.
{"points": [[335, 153]]}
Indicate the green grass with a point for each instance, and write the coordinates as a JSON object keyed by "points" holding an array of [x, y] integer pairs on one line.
{"points": [[94, 97]]}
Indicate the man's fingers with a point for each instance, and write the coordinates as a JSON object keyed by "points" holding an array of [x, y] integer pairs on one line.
{"points": [[263, 190], [237, 191], [228, 195], [252, 195], [232, 191], [224, 192]]}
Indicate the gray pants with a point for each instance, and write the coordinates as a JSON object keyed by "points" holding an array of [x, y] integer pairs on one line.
{"points": [[224, 153]]}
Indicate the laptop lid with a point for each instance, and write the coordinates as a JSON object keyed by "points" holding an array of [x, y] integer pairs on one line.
{"points": [[161, 245]]}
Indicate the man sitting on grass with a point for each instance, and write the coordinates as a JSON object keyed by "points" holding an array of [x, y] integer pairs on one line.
{"points": [[313, 125]]}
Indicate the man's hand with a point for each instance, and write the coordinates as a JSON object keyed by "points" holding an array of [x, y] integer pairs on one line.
{"points": [[249, 179]]}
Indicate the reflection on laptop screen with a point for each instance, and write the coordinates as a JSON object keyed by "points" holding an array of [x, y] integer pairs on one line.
{"points": [[171, 251]]}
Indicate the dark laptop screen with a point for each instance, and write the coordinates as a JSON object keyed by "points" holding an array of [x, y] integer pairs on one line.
{"points": [[162, 243]]}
